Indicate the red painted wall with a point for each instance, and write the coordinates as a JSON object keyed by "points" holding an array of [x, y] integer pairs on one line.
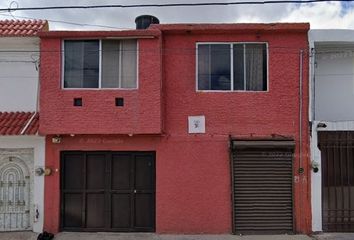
{"points": [[99, 115], [193, 171]]}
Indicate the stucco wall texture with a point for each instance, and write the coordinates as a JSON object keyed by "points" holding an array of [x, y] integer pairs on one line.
{"points": [[193, 182]]}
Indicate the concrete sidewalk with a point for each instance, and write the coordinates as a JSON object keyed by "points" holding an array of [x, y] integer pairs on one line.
{"points": [[334, 236], [146, 236]]}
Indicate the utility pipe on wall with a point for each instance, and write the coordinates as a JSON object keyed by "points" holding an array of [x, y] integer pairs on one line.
{"points": [[300, 111]]}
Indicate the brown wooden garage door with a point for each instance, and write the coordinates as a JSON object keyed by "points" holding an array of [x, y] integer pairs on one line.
{"points": [[337, 160], [262, 186], [107, 191]]}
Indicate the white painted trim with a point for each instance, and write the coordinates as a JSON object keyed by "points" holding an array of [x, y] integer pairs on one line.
{"points": [[336, 125], [137, 65], [100, 64], [331, 35], [38, 145], [232, 64], [62, 55], [316, 184], [231, 75]]}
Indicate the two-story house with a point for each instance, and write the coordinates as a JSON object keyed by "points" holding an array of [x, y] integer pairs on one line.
{"points": [[332, 121], [177, 128], [21, 149]]}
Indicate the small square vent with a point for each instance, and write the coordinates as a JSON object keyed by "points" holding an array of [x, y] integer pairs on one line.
{"points": [[77, 102], [119, 102]]}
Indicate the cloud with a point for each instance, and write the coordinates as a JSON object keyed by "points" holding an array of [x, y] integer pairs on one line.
{"points": [[320, 15], [323, 15]]}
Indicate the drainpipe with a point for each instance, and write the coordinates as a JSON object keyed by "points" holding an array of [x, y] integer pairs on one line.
{"points": [[301, 170]]}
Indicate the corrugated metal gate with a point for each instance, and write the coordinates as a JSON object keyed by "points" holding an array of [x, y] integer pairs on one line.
{"points": [[337, 162], [262, 186], [14, 195]]}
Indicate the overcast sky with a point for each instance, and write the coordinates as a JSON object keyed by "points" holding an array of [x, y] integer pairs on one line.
{"points": [[320, 15]]}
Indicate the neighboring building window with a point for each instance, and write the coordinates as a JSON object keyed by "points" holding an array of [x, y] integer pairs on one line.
{"points": [[232, 67], [100, 64]]}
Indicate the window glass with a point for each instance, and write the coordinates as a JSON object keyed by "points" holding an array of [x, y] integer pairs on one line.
{"points": [[239, 76], [255, 67], [204, 67], [118, 67], [220, 67], [249, 67], [129, 64], [81, 66], [214, 64], [110, 64]]}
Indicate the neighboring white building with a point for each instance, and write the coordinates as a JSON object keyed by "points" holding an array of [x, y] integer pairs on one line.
{"points": [[22, 151], [332, 135]]}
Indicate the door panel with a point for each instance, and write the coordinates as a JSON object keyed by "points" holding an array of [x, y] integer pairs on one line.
{"points": [[144, 214], [72, 210], [73, 174], [121, 210], [121, 171], [144, 174], [337, 161], [95, 175], [117, 192], [95, 214], [14, 195]]}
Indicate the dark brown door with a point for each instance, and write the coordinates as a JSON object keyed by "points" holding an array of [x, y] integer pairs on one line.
{"points": [[337, 162], [108, 191], [262, 186]]}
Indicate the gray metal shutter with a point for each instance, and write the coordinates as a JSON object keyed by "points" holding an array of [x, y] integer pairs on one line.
{"points": [[262, 186]]}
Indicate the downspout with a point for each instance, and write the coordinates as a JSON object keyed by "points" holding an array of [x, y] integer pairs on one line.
{"points": [[301, 170]]}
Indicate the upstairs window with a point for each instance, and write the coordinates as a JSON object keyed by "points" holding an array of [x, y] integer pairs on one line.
{"points": [[100, 64], [232, 67]]}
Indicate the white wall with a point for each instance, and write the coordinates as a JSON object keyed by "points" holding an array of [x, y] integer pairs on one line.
{"points": [[38, 145], [334, 82], [331, 97], [18, 75]]}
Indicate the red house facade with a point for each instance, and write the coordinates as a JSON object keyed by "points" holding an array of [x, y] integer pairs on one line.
{"points": [[177, 129]]}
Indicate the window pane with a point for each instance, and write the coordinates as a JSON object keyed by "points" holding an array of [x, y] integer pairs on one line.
{"points": [[110, 64], [256, 75], [203, 67], [91, 64], [129, 63], [81, 64], [220, 67], [239, 76]]}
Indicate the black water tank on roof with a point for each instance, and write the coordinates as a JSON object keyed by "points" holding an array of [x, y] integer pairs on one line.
{"points": [[144, 21]]}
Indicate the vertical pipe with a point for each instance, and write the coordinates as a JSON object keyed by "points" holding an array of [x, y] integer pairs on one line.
{"points": [[300, 135], [300, 107]]}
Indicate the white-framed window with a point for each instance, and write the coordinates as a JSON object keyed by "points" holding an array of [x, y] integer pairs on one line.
{"points": [[99, 63], [232, 67]]}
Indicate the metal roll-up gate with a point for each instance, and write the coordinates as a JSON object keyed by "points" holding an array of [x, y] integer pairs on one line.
{"points": [[262, 186]]}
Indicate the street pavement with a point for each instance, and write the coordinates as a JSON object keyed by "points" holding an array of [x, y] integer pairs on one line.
{"points": [[147, 236]]}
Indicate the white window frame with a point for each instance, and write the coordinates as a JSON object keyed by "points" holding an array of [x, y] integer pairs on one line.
{"points": [[100, 65], [232, 67]]}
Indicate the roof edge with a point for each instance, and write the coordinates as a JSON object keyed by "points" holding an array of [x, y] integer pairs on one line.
{"points": [[104, 33], [212, 27]]}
